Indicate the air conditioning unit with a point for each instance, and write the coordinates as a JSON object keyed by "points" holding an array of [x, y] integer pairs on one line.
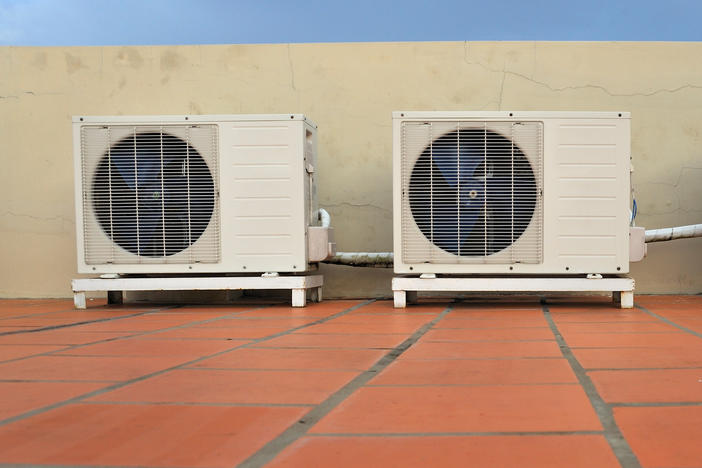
{"points": [[511, 193], [197, 194]]}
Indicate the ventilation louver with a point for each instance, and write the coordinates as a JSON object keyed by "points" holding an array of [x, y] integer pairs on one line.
{"points": [[472, 192], [153, 192]]}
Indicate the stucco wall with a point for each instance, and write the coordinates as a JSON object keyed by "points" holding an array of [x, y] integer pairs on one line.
{"points": [[350, 91]]}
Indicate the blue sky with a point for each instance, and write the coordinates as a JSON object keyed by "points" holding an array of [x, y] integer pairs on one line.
{"points": [[150, 22]]}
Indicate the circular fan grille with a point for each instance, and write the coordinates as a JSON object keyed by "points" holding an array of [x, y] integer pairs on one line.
{"points": [[153, 194], [472, 192]]}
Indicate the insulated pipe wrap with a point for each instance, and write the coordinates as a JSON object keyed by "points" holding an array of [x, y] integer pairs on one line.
{"points": [[679, 232], [372, 259]]}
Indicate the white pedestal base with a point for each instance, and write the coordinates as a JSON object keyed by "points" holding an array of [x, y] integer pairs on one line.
{"points": [[405, 289], [114, 286]]}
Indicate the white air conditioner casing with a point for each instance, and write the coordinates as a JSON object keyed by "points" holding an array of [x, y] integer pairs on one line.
{"points": [[576, 222], [216, 193]]}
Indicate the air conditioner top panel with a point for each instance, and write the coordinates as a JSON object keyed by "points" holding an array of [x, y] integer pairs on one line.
{"points": [[139, 119], [507, 115]]}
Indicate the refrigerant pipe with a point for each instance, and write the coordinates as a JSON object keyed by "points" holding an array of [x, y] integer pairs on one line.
{"points": [[678, 232], [385, 259], [358, 259]]}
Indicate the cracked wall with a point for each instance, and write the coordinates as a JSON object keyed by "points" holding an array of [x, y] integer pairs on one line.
{"points": [[350, 91]]}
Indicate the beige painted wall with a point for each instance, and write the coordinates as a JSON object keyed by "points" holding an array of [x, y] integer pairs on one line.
{"points": [[350, 91]]}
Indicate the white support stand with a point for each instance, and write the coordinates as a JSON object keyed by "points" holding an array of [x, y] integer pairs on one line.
{"points": [[79, 300], [297, 284], [405, 289], [625, 299]]}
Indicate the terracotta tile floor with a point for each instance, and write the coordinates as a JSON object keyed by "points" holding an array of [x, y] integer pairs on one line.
{"points": [[571, 382]]}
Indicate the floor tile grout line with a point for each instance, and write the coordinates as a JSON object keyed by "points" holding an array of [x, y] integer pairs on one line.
{"points": [[2, 381], [489, 341], [359, 333], [34, 465], [300, 428], [626, 369], [433, 385], [135, 334], [653, 404], [274, 369], [388, 348], [628, 332], [141, 378], [70, 308], [328, 348], [639, 347], [85, 322], [612, 433], [198, 403], [668, 321], [71, 347], [453, 434]]}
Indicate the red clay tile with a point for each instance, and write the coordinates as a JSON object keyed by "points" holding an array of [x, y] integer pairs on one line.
{"points": [[613, 315], [497, 307], [452, 321], [476, 372], [481, 349], [675, 314], [506, 315], [363, 328], [41, 321], [19, 307], [585, 451], [615, 327], [269, 358], [19, 397], [196, 333], [669, 385], [668, 436], [139, 347], [103, 368], [134, 324], [97, 434], [312, 310], [383, 308], [233, 386], [630, 340], [668, 302], [302, 340], [235, 333], [283, 323], [489, 334], [694, 324], [462, 409], [61, 336], [635, 358], [487, 388], [12, 329], [214, 309], [86, 315], [382, 320], [8, 352]]}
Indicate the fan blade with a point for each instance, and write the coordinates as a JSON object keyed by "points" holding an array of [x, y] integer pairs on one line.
{"points": [[451, 168]]}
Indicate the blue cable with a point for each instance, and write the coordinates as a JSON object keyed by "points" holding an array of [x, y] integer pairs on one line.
{"points": [[633, 211]]}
